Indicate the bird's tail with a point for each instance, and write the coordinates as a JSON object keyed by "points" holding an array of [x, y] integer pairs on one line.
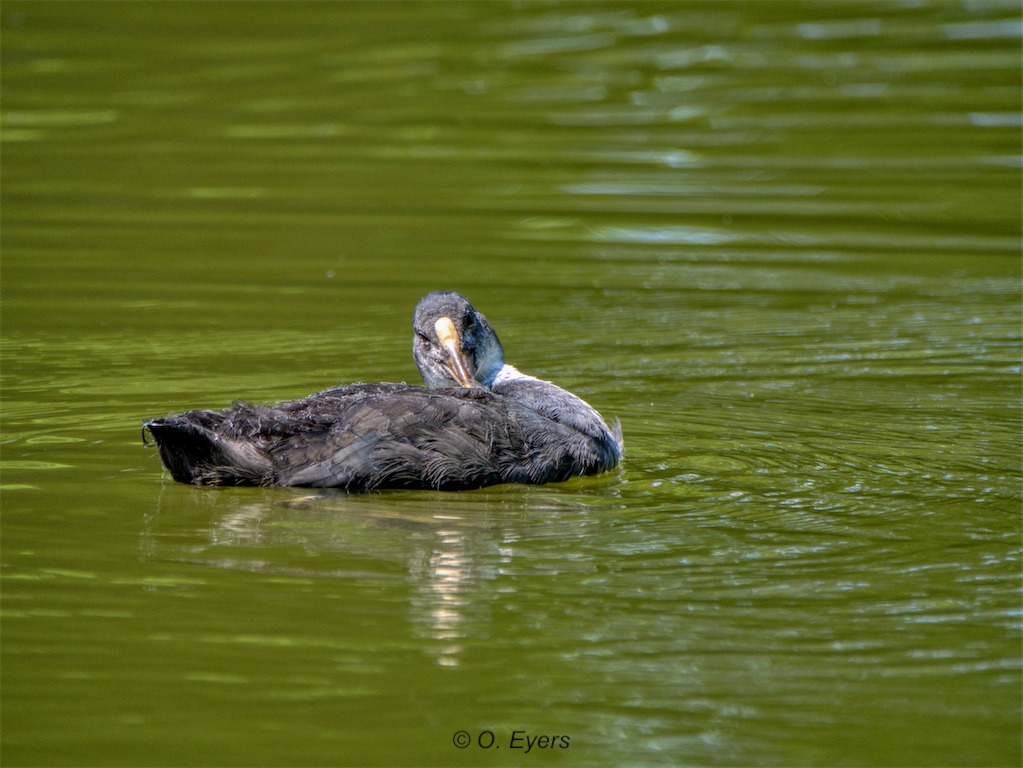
{"points": [[197, 455]]}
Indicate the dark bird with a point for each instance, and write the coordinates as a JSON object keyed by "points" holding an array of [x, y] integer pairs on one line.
{"points": [[478, 422]]}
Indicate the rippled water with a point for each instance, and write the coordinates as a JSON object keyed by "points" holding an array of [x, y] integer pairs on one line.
{"points": [[779, 241]]}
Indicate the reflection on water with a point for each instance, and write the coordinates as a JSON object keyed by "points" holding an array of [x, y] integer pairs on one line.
{"points": [[449, 557], [441, 580], [779, 241]]}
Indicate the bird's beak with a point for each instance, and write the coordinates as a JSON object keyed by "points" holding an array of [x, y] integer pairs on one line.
{"points": [[456, 365]]}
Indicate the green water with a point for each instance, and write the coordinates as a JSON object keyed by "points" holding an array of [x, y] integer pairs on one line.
{"points": [[779, 241]]}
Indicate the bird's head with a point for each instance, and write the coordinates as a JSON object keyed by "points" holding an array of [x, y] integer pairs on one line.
{"points": [[454, 345]]}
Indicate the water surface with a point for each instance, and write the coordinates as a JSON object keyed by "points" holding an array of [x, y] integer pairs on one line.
{"points": [[779, 241]]}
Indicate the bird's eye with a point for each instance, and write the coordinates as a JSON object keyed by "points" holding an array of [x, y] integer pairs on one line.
{"points": [[422, 337]]}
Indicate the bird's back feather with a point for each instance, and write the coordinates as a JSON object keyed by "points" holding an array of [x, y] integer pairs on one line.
{"points": [[370, 436]]}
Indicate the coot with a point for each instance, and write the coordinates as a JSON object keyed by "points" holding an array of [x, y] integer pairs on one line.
{"points": [[478, 422]]}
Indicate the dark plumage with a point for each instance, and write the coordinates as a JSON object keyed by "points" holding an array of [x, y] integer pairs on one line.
{"points": [[479, 423]]}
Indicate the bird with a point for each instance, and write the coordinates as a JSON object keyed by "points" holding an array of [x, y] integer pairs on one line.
{"points": [[478, 422]]}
